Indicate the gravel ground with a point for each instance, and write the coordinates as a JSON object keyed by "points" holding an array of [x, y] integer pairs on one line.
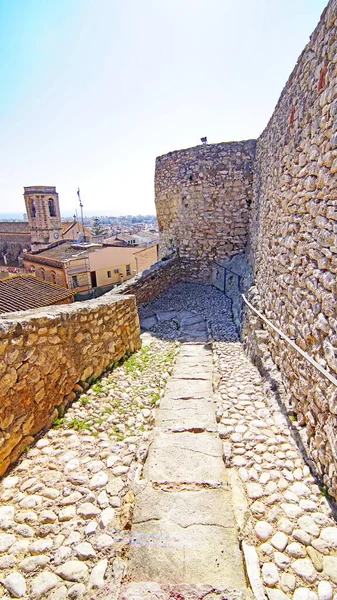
{"points": [[206, 301]]}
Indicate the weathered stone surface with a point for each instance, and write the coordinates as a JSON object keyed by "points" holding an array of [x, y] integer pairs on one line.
{"points": [[263, 530], [164, 462], [270, 574], [84, 550], [329, 535], [73, 570], [330, 567], [325, 590], [29, 564], [288, 582], [97, 575], [305, 569], [43, 583], [15, 584]]}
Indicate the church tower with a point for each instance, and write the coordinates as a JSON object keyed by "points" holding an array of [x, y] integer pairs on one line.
{"points": [[43, 212]]}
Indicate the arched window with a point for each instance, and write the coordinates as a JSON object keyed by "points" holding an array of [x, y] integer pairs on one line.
{"points": [[52, 276], [32, 209], [51, 205], [42, 274]]}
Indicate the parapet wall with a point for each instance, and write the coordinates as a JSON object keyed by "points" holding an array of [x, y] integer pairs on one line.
{"points": [[293, 238], [46, 353], [202, 198], [153, 282]]}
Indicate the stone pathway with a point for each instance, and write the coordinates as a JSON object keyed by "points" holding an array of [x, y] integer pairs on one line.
{"points": [[183, 531], [82, 516]]}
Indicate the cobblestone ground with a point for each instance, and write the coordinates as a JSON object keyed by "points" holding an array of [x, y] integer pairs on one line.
{"points": [[288, 526], [66, 507]]}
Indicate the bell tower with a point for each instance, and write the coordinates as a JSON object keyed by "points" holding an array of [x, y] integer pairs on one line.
{"points": [[43, 212]]}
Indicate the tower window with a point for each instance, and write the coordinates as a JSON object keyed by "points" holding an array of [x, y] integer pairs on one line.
{"points": [[32, 208], [51, 206], [128, 269], [109, 273]]}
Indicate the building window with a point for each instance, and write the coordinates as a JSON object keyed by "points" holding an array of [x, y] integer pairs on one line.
{"points": [[42, 274], [109, 273], [116, 270], [51, 205], [53, 277], [74, 281], [128, 269]]}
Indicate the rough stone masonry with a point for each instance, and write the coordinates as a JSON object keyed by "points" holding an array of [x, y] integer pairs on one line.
{"points": [[276, 200], [49, 355], [202, 199]]}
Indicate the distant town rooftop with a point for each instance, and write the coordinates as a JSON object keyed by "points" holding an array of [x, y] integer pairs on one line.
{"points": [[65, 250]]}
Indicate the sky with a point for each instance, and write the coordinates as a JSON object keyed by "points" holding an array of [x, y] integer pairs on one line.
{"points": [[91, 91]]}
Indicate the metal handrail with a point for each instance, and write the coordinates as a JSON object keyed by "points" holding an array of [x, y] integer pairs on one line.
{"points": [[227, 269], [315, 364]]}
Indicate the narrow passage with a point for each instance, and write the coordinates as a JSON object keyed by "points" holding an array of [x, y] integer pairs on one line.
{"points": [[144, 491]]}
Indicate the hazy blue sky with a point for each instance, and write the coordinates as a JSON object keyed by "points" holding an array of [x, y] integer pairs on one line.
{"points": [[93, 90]]}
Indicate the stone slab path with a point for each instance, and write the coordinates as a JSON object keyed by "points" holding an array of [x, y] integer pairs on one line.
{"points": [[183, 527], [141, 492]]}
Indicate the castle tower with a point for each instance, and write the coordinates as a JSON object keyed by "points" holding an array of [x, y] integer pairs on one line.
{"points": [[43, 211]]}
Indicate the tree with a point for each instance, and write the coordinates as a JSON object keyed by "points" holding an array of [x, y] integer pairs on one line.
{"points": [[97, 228]]}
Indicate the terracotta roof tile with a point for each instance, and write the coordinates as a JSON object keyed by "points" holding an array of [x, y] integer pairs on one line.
{"points": [[24, 292]]}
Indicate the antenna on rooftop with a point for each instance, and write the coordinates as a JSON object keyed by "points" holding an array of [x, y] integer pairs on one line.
{"points": [[203, 140], [81, 205]]}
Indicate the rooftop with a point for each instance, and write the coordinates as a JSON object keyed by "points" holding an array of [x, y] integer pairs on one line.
{"points": [[19, 227], [24, 292], [65, 250]]}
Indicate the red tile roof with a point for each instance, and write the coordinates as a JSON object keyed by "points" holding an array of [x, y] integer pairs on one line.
{"points": [[24, 292]]}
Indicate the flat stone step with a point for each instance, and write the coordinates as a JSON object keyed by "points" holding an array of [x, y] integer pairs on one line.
{"points": [[185, 457], [187, 507], [198, 352], [184, 541], [189, 388], [193, 336], [185, 537], [188, 414], [168, 553], [189, 372]]}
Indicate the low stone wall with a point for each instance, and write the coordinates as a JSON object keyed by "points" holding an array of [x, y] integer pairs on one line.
{"points": [[47, 353], [153, 282]]}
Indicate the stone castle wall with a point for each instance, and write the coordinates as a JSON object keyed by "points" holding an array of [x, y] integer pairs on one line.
{"points": [[293, 238], [202, 198], [48, 355], [285, 184]]}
